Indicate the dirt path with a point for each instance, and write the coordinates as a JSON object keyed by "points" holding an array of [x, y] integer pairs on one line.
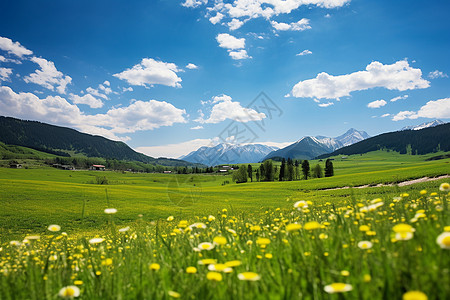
{"points": [[403, 183]]}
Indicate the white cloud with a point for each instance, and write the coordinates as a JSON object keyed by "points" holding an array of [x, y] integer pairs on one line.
{"points": [[230, 42], [87, 99], [128, 89], [191, 66], [48, 76], [376, 104], [13, 47], [326, 104], [438, 109], [216, 19], [95, 92], [197, 127], [9, 60], [106, 89], [304, 52], [301, 25], [327, 16], [385, 115], [399, 98], [107, 83], [140, 115], [224, 108], [239, 54], [193, 3], [5, 73], [150, 72], [235, 24], [398, 76], [437, 74], [175, 150]]}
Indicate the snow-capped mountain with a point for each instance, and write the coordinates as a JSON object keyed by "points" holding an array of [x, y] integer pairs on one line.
{"points": [[310, 147], [424, 125], [229, 154]]}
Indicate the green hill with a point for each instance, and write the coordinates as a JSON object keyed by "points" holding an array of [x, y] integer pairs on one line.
{"points": [[68, 142], [422, 141]]}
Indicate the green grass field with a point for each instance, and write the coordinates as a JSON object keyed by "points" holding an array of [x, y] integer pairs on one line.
{"points": [[150, 260]]}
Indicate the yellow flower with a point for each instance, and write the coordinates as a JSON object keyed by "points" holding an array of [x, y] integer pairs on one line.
{"points": [[414, 295], [423, 192], [365, 245], [293, 227], [54, 228], [300, 204], [220, 268], [249, 276], [233, 263], [312, 225], [444, 187], [69, 292], [447, 228], [338, 287], [205, 246], [268, 255], [207, 261], [191, 270], [263, 241], [170, 218], [367, 278], [220, 240], [107, 262], [403, 228], [345, 273], [15, 243], [364, 228], [404, 236], [174, 294], [155, 267], [211, 218], [255, 228], [78, 282], [443, 240], [214, 276]]}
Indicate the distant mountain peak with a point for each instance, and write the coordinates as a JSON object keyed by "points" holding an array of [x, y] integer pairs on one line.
{"points": [[424, 125]]}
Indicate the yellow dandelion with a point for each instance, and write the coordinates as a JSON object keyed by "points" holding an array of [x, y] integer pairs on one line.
{"points": [[207, 261], [404, 236], [338, 287], [364, 228], [300, 204], [220, 240], [191, 270], [268, 255], [365, 245], [170, 218], [345, 273], [367, 278], [312, 225], [233, 263], [249, 276], [154, 267], [293, 227], [403, 228], [211, 218], [262, 241], [54, 228], [255, 228], [214, 276], [78, 282], [69, 292], [174, 294], [444, 187], [414, 295], [443, 240], [15, 243], [220, 268]]}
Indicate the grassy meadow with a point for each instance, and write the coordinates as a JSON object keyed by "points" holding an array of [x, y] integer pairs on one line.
{"points": [[199, 237]]}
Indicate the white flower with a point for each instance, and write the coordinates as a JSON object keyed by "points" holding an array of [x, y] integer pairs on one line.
{"points": [[69, 292], [15, 243], [96, 241], [365, 245], [205, 246], [404, 236], [54, 228], [110, 211], [125, 229], [300, 204], [443, 240], [338, 288]]}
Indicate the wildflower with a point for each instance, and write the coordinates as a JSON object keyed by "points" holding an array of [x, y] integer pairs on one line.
{"points": [[96, 241], [268, 255], [414, 295], [32, 238], [338, 287], [364, 228], [69, 292], [262, 241], [233, 263], [174, 294], [367, 278], [312, 225], [443, 240], [255, 228], [220, 240], [198, 226], [323, 236], [402, 228], [345, 273], [220, 268], [15, 243], [125, 229], [211, 218], [214, 276], [170, 218], [404, 236], [54, 228], [191, 270], [300, 204], [78, 282], [207, 261], [155, 267], [205, 246], [110, 211], [365, 245], [444, 187], [249, 276], [423, 192], [293, 227], [447, 228]]}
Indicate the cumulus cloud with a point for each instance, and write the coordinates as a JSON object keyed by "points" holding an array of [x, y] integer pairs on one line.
{"points": [[301, 25], [230, 42], [191, 66], [217, 18], [140, 115], [9, 60], [376, 104], [96, 92], [325, 104], [14, 48], [197, 127], [385, 115], [399, 98], [224, 108], [194, 3], [87, 99], [239, 54], [5, 73], [48, 76], [399, 76], [150, 72], [304, 52], [437, 74], [438, 109], [128, 89], [235, 24]]}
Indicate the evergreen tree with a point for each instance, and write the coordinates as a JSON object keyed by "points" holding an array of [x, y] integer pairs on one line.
{"points": [[240, 175], [282, 170], [257, 175], [329, 168], [250, 172], [268, 170], [305, 169], [317, 171], [262, 173]]}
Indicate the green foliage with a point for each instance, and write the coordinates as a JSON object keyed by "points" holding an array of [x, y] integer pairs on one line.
{"points": [[240, 175], [329, 170], [305, 169], [317, 171]]}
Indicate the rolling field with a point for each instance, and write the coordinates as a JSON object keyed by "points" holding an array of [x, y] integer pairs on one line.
{"points": [[195, 237]]}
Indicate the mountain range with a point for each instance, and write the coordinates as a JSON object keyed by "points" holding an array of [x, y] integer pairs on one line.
{"points": [[309, 147], [424, 125]]}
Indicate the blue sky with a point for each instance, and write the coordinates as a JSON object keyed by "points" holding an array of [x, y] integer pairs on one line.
{"points": [[170, 76]]}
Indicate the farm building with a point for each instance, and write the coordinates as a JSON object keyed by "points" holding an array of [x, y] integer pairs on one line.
{"points": [[98, 167]]}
